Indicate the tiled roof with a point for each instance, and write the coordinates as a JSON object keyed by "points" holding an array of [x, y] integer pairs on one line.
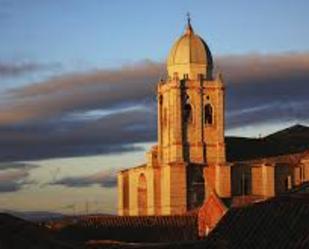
{"points": [[128, 228], [292, 159], [280, 222], [288, 141]]}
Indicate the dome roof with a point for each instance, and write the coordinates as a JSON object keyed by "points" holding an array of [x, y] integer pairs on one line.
{"points": [[190, 49]]}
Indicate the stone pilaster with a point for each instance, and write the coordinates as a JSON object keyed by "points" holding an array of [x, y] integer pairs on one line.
{"points": [[174, 198], [120, 193]]}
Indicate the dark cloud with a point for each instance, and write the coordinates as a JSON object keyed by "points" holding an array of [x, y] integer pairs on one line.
{"points": [[15, 165], [13, 178], [266, 88], [114, 133], [108, 111], [80, 92], [8, 69], [106, 179], [6, 187], [39, 121]]}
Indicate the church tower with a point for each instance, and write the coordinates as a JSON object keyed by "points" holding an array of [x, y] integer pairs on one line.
{"points": [[190, 123], [190, 105], [191, 148], [188, 163]]}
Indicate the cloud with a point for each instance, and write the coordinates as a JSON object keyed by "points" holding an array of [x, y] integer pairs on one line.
{"points": [[80, 92], [9, 69], [106, 179], [266, 88], [14, 178], [15, 165], [114, 133], [27, 113], [109, 111]]}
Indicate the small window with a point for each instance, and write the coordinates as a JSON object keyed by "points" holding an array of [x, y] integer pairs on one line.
{"points": [[208, 114], [186, 76]]}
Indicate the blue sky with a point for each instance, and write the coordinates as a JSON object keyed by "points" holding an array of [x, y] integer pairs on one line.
{"points": [[77, 80], [111, 33]]}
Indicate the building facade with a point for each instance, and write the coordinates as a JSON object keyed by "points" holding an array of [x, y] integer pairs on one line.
{"points": [[188, 163]]}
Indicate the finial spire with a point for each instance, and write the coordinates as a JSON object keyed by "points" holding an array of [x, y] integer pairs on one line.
{"points": [[188, 18], [189, 29]]}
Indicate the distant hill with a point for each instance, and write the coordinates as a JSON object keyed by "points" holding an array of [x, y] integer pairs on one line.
{"points": [[290, 140], [16, 233]]}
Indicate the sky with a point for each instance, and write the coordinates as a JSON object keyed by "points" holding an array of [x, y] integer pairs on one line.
{"points": [[78, 83]]}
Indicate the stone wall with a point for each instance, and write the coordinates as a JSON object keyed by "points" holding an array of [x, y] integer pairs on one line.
{"points": [[174, 188], [263, 177]]}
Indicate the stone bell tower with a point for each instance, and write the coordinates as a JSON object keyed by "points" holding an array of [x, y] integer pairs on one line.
{"points": [[190, 121]]}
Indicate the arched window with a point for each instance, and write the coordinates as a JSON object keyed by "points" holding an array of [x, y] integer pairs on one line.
{"points": [[208, 114], [142, 195], [125, 193], [187, 110]]}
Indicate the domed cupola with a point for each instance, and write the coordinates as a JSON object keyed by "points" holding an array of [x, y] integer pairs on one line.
{"points": [[190, 56]]}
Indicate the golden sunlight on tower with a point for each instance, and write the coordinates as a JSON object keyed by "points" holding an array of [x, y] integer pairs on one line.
{"points": [[187, 169], [190, 137], [190, 56]]}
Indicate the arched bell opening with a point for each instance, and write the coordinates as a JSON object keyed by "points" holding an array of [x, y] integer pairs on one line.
{"points": [[187, 125], [208, 114], [142, 195]]}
